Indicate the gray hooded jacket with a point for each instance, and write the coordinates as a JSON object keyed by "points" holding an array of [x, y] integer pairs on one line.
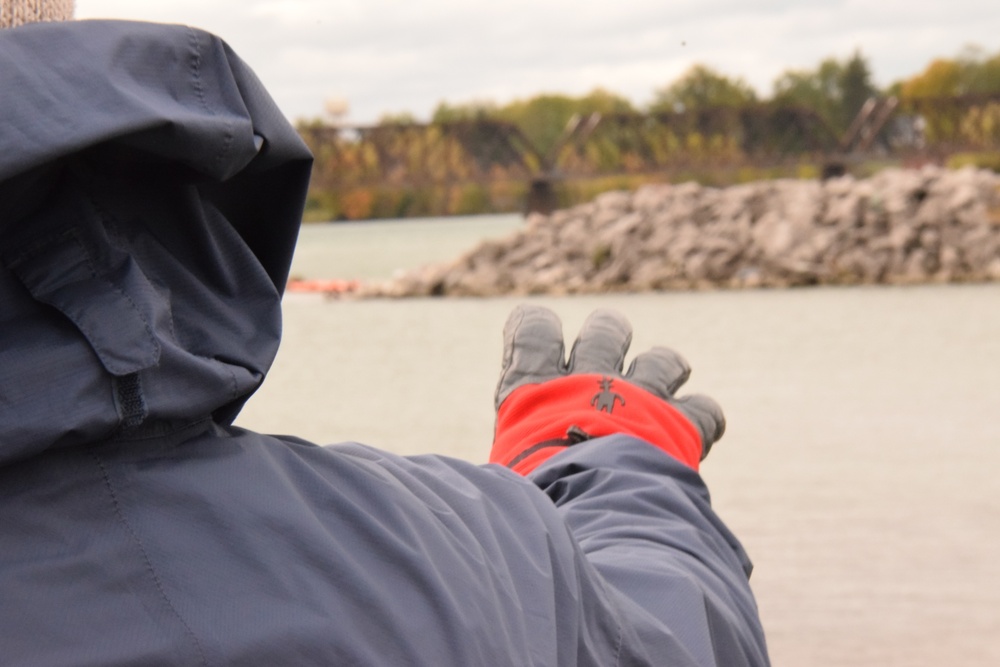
{"points": [[150, 196]]}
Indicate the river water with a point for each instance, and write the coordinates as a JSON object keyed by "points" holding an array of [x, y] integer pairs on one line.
{"points": [[863, 445]]}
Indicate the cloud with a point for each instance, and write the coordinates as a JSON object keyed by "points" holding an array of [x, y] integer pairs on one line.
{"points": [[392, 56]]}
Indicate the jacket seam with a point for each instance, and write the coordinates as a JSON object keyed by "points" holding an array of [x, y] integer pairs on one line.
{"points": [[199, 90], [120, 515], [620, 642]]}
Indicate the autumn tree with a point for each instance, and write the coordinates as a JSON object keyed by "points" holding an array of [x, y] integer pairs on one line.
{"points": [[936, 96], [972, 72], [939, 79]]}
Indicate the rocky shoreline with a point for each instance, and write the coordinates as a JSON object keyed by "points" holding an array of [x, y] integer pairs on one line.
{"points": [[899, 227]]}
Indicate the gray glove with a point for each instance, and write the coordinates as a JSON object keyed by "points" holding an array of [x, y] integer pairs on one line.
{"points": [[541, 397]]}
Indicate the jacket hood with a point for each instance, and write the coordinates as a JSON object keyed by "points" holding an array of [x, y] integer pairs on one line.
{"points": [[151, 194]]}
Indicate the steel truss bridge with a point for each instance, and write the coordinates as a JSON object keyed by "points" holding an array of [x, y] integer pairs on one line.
{"points": [[488, 152]]}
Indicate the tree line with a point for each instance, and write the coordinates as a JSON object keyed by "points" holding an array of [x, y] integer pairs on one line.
{"points": [[833, 91]]}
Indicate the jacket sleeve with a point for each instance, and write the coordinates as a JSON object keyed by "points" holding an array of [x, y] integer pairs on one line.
{"points": [[645, 523]]}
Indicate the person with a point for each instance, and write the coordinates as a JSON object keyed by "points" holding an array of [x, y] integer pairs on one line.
{"points": [[151, 195]]}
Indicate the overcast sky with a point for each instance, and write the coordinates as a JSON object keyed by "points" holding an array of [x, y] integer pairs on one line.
{"points": [[391, 56]]}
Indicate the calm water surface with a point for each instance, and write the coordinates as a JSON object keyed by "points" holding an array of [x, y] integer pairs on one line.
{"points": [[376, 249], [860, 462]]}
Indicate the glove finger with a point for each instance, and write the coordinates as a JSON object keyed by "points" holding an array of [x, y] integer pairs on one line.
{"points": [[660, 371], [601, 346], [533, 349], [706, 415]]}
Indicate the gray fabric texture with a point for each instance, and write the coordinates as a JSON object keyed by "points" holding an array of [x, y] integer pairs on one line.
{"points": [[151, 195]]}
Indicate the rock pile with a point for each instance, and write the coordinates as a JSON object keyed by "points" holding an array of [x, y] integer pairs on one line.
{"points": [[900, 226]]}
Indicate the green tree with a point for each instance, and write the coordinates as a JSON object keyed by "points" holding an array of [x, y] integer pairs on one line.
{"points": [[450, 113], [542, 118], [702, 87], [812, 89], [604, 102], [855, 87], [983, 74], [835, 90], [397, 118]]}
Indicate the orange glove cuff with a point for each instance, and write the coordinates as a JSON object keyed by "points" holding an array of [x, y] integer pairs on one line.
{"points": [[534, 421]]}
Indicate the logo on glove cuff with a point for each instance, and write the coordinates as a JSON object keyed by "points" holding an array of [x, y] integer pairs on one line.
{"points": [[605, 399]]}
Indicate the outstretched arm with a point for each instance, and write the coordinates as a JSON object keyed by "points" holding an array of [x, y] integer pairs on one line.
{"points": [[618, 455]]}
